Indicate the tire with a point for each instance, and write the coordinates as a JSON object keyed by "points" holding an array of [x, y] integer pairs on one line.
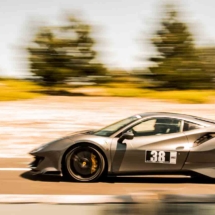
{"points": [[83, 163]]}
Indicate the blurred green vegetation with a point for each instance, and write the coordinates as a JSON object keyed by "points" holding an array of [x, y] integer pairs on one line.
{"points": [[63, 62], [178, 64], [187, 96], [13, 89], [58, 53], [131, 90]]}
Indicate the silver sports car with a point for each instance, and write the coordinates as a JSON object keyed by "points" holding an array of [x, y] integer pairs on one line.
{"points": [[148, 143]]}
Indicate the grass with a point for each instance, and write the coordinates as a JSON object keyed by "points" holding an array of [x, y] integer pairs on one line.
{"points": [[14, 89], [11, 89], [186, 96], [181, 96]]}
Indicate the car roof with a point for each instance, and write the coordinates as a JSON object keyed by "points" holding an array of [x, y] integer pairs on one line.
{"points": [[177, 115]]}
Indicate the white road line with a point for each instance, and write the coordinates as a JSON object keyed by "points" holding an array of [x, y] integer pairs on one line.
{"points": [[98, 199], [72, 199], [15, 169], [154, 176]]}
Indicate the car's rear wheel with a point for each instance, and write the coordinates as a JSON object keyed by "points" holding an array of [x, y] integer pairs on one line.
{"points": [[84, 164]]}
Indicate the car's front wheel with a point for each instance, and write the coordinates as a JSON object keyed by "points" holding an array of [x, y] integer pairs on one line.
{"points": [[84, 164]]}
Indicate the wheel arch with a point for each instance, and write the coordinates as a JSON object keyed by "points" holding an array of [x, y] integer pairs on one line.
{"points": [[89, 144]]}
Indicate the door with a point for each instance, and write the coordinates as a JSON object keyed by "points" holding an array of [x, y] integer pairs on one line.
{"points": [[158, 145]]}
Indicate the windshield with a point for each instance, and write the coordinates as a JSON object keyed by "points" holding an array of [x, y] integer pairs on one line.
{"points": [[111, 129]]}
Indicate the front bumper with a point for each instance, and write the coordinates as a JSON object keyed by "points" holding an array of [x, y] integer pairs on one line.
{"points": [[43, 165]]}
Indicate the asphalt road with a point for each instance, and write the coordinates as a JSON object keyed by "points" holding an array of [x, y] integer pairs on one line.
{"points": [[109, 209], [15, 179]]}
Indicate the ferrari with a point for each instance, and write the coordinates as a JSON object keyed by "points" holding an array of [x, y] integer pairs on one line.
{"points": [[143, 144]]}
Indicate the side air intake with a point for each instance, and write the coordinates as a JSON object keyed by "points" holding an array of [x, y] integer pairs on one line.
{"points": [[203, 139]]}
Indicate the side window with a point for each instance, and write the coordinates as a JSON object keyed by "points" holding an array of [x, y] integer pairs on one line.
{"points": [[188, 126], [147, 126], [157, 126]]}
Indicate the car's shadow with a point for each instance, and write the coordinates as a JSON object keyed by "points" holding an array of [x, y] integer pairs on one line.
{"points": [[155, 180]]}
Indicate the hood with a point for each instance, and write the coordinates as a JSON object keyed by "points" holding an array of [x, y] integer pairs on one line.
{"points": [[81, 132], [61, 138]]}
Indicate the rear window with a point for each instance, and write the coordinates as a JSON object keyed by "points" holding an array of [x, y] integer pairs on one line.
{"points": [[188, 126]]}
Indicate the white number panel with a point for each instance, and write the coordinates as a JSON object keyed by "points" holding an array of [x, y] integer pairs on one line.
{"points": [[161, 157]]}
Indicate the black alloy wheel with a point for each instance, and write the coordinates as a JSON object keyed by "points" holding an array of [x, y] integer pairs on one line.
{"points": [[84, 164]]}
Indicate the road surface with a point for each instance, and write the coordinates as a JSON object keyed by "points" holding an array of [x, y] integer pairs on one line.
{"points": [[16, 179]]}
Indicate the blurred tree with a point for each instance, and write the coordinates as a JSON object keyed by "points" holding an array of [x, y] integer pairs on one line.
{"points": [[177, 63], [58, 53], [45, 61], [207, 57]]}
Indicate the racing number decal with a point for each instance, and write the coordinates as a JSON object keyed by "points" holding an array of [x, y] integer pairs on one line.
{"points": [[157, 156], [161, 157]]}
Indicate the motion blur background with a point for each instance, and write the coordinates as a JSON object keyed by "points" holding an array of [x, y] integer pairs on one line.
{"points": [[73, 65], [151, 49]]}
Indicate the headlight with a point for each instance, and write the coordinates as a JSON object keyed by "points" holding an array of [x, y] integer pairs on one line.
{"points": [[45, 145], [39, 148]]}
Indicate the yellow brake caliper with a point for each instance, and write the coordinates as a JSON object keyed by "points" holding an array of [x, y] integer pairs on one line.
{"points": [[94, 163]]}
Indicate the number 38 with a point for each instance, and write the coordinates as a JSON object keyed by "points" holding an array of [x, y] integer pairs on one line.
{"points": [[157, 156]]}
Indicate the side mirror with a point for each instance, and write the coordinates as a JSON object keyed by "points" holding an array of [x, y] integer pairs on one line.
{"points": [[127, 136]]}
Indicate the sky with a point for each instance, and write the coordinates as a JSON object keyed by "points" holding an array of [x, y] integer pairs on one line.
{"points": [[123, 27]]}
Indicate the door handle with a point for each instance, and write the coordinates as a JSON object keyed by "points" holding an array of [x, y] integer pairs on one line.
{"points": [[180, 148]]}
